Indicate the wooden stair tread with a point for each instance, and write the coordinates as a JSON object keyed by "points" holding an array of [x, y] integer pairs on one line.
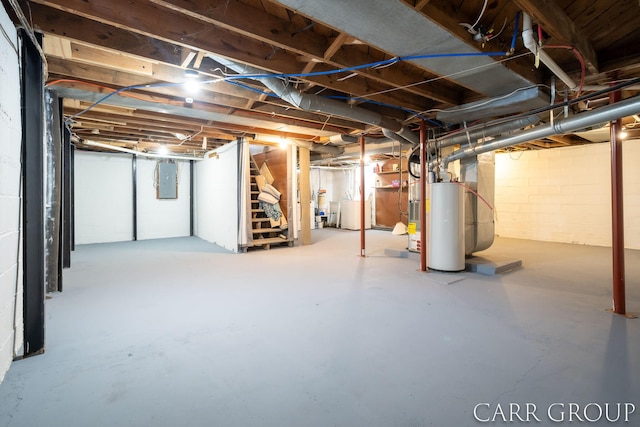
{"points": [[269, 240], [266, 230]]}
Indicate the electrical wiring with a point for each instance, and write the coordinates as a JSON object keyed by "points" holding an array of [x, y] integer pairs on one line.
{"points": [[363, 66], [487, 102], [253, 89], [474, 192], [471, 28], [383, 104], [348, 98], [6, 36], [121, 90], [448, 76], [569, 102], [130, 95], [32, 35], [622, 85], [493, 36], [232, 78]]}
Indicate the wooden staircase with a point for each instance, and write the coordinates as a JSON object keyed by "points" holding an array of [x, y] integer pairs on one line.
{"points": [[264, 236]]}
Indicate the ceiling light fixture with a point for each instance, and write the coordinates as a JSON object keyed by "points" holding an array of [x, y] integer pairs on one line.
{"points": [[163, 150], [192, 86]]}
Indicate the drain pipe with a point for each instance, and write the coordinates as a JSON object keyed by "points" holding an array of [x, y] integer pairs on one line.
{"points": [[309, 102], [611, 112], [530, 43]]}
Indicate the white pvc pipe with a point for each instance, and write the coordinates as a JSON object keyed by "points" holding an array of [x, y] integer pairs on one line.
{"points": [[530, 43]]}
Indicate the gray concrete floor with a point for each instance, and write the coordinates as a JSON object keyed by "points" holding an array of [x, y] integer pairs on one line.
{"points": [[177, 332]]}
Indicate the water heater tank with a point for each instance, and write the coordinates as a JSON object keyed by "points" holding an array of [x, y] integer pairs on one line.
{"points": [[446, 237]]}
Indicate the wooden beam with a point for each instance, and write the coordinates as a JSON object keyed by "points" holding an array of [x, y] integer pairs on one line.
{"points": [[198, 62], [70, 26], [420, 4], [188, 57], [305, 196], [445, 14], [207, 38], [210, 39], [57, 47], [91, 55], [555, 21], [334, 46], [231, 15], [561, 139], [108, 78], [220, 93]]}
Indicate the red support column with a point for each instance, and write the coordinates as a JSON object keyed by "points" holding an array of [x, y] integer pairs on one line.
{"points": [[362, 201], [617, 213], [423, 196]]}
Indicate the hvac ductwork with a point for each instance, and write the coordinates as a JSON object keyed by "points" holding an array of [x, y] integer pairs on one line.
{"points": [[611, 112], [401, 137], [473, 134], [309, 102], [324, 149]]}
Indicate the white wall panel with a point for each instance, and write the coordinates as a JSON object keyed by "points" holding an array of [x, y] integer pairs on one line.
{"points": [[216, 193], [162, 218], [564, 194], [103, 197], [10, 200]]}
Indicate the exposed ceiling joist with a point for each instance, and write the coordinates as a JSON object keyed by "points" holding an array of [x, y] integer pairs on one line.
{"points": [[556, 22], [96, 47]]}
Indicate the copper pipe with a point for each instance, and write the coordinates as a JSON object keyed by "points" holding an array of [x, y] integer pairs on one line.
{"points": [[617, 213], [423, 197], [362, 204]]}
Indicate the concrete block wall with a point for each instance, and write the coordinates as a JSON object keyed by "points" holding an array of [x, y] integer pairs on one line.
{"points": [[564, 194], [10, 201]]}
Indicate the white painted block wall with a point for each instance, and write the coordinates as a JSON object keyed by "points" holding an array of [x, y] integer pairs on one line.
{"points": [[11, 327], [162, 218], [564, 194]]}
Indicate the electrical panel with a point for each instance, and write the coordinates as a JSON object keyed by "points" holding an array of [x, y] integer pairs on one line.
{"points": [[167, 181]]}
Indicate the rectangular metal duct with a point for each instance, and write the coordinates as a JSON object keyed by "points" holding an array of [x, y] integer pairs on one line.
{"points": [[520, 101], [398, 29]]}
